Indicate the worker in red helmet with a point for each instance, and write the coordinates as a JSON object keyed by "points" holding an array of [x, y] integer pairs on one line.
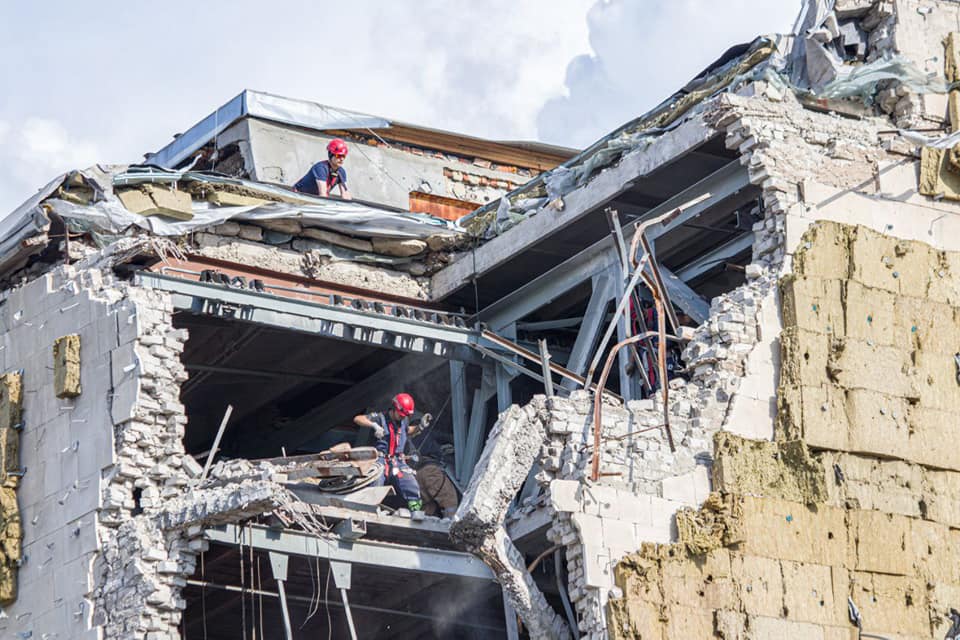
{"points": [[324, 176], [391, 428]]}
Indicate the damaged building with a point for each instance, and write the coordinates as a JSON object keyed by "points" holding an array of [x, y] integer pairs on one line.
{"points": [[694, 381]]}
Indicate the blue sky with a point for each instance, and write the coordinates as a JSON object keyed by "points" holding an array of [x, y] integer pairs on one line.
{"points": [[108, 81]]}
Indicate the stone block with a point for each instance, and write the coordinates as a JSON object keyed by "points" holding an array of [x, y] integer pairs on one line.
{"points": [[688, 622], [804, 357], [880, 542], [357, 244], [868, 313], [563, 495], [66, 366], [791, 531], [944, 284], [813, 304], [929, 545], [941, 493], [926, 326], [888, 263], [856, 364], [399, 248], [937, 381], [878, 424], [619, 537], [150, 199], [762, 628], [759, 584], [815, 593], [823, 251], [707, 585], [11, 424], [891, 605], [932, 429], [817, 415]]}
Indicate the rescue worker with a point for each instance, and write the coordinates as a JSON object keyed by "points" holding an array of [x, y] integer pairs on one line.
{"points": [[391, 429], [433, 463], [327, 174]]}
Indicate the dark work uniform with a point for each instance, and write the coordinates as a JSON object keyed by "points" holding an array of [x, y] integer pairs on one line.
{"points": [[321, 172], [396, 473]]}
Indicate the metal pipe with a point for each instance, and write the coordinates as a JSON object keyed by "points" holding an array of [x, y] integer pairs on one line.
{"points": [[334, 603], [216, 445], [662, 368], [562, 588], [529, 355], [637, 275], [533, 565], [287, 629], [545, 363], [346, 608], [598, 400]]}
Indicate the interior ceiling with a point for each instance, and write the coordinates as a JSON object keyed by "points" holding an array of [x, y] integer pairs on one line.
{"points": [[423, 605], [273, 376], [645, 193], [267, 374]]}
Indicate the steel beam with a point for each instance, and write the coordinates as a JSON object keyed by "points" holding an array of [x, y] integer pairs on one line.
{"points": [[591, 326], [337, 322], [684, 297], [478, 425], [366, 552], [458, 405], [604, 187], [714, 257], [722, 184], [260, 373]]}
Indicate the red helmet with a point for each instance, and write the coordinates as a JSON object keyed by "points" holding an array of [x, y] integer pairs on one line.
{"points": [[337, 147], [403, 404]]}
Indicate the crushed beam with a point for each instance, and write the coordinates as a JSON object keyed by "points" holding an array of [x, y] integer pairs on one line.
{"points": [[722, 184]]}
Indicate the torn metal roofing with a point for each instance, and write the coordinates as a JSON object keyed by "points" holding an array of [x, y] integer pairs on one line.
{"points": [[306, 114], [88, 201], [738, 64], [257, 104]]}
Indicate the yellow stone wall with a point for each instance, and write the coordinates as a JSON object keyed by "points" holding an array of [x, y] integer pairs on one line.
{"points": [[859, 497]]}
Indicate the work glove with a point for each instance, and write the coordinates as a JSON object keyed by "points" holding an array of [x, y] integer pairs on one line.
{"points": [[378, 431], [425, 421]]}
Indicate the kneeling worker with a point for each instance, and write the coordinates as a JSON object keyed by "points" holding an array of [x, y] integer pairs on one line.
{"points": [[327, 174], [391, 428]]}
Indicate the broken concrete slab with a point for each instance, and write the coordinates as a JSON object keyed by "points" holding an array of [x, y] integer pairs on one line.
{"points": [[150, 200]]}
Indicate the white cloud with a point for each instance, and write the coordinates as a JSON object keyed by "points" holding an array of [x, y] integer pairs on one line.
{"points": [[645, 50], [33, 153]]}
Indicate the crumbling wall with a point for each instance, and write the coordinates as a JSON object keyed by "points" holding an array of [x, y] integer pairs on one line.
{"points": [[855, 499], [111, 524], [479, 522], [643, 483]]}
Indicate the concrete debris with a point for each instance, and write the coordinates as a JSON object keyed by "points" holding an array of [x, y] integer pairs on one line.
{"points": [[814, 475], [783, 469], [704, 530], [512, 446], [151, 200]]}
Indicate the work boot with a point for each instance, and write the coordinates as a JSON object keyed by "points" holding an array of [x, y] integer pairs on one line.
{"points": [[416, 506]]}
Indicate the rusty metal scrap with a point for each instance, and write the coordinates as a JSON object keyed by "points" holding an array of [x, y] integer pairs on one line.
{"points": [[640, 261]]}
